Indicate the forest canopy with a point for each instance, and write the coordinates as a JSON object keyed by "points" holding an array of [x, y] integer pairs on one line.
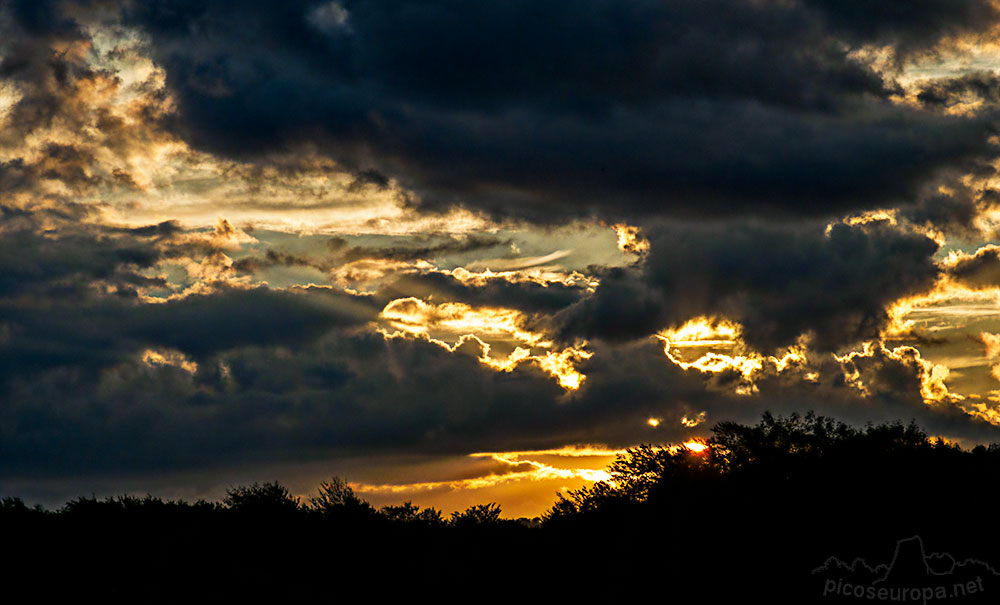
{"points": [[779, 498]]}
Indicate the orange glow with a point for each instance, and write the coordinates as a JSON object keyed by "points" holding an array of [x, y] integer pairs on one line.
{"points": [[629, 239], [568, 451], [872, 216], [693, 422], [559, 365], [415, 318], [941, 299], [696, 446], [536, 471], [704, 332], [992, 342], [932, 376], [539, 275], [654, 422], [153, 358]]}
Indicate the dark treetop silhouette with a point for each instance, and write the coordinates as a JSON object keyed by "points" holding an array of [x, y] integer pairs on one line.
{"points": [[757, 512]]}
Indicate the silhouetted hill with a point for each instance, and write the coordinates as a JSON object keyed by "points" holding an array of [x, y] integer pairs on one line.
{"points": [[798, 510]]}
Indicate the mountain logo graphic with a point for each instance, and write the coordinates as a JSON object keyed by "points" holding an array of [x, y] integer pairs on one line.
{"points": [[911, 576]]}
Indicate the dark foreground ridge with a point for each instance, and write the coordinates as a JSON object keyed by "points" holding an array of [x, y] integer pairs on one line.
{"points": [[798, 510]]}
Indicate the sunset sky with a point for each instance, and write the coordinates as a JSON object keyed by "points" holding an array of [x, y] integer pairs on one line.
{"points": [[458, 252]]}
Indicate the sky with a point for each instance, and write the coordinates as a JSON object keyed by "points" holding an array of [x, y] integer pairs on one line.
{"points": [[461, 252]]}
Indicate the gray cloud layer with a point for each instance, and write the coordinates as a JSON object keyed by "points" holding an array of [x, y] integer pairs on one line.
{"points": [[779, 281], [724, 106]]}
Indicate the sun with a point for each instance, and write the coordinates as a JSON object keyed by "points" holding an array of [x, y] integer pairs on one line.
{"points": [[696, 446]]}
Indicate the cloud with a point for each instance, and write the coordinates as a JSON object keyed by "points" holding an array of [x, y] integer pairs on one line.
{"points": [[982, 86], [957, 212], [340, 253], [38, 261], [90, 335], [908, 25], [76, 295], [499, 290], [778, 281], [616, 107], [992, 343], [450, 245], [77, 128], [360, 393], [980, 270]]}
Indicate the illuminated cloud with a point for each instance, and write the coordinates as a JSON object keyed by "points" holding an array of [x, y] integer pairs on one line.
{"points": [[932, 376], [992, 343], [415, 317], [173, 358], [695, 421], [630, 239], [520, 468], [418, 317], [85, 123], [702, 334], [780, 282]]}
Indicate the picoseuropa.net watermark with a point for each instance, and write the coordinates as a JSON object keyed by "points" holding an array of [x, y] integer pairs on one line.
{"points": [[911, 576], [922, 594]]}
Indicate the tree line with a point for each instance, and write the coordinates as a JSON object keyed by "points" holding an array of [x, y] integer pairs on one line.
{"points": [[755, 512]]}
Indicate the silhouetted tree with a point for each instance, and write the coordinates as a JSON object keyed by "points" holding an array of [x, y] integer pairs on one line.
{"points": [[408, 512], [269, 498], [477, 514], [757, 510], [335, 497], [16, 506]]}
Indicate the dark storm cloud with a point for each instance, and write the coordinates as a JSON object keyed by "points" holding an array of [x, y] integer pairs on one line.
{"points": [[68, 298], [976, 86], [162, 229], [42, 17], [93, 334], [525, 296], [907, 24], [525, 107], [779, 281], [90, 335], [430, 249], [953, 213], [341, 252], [346, 394], [67, 261], [978, 271], [201, 325]]}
